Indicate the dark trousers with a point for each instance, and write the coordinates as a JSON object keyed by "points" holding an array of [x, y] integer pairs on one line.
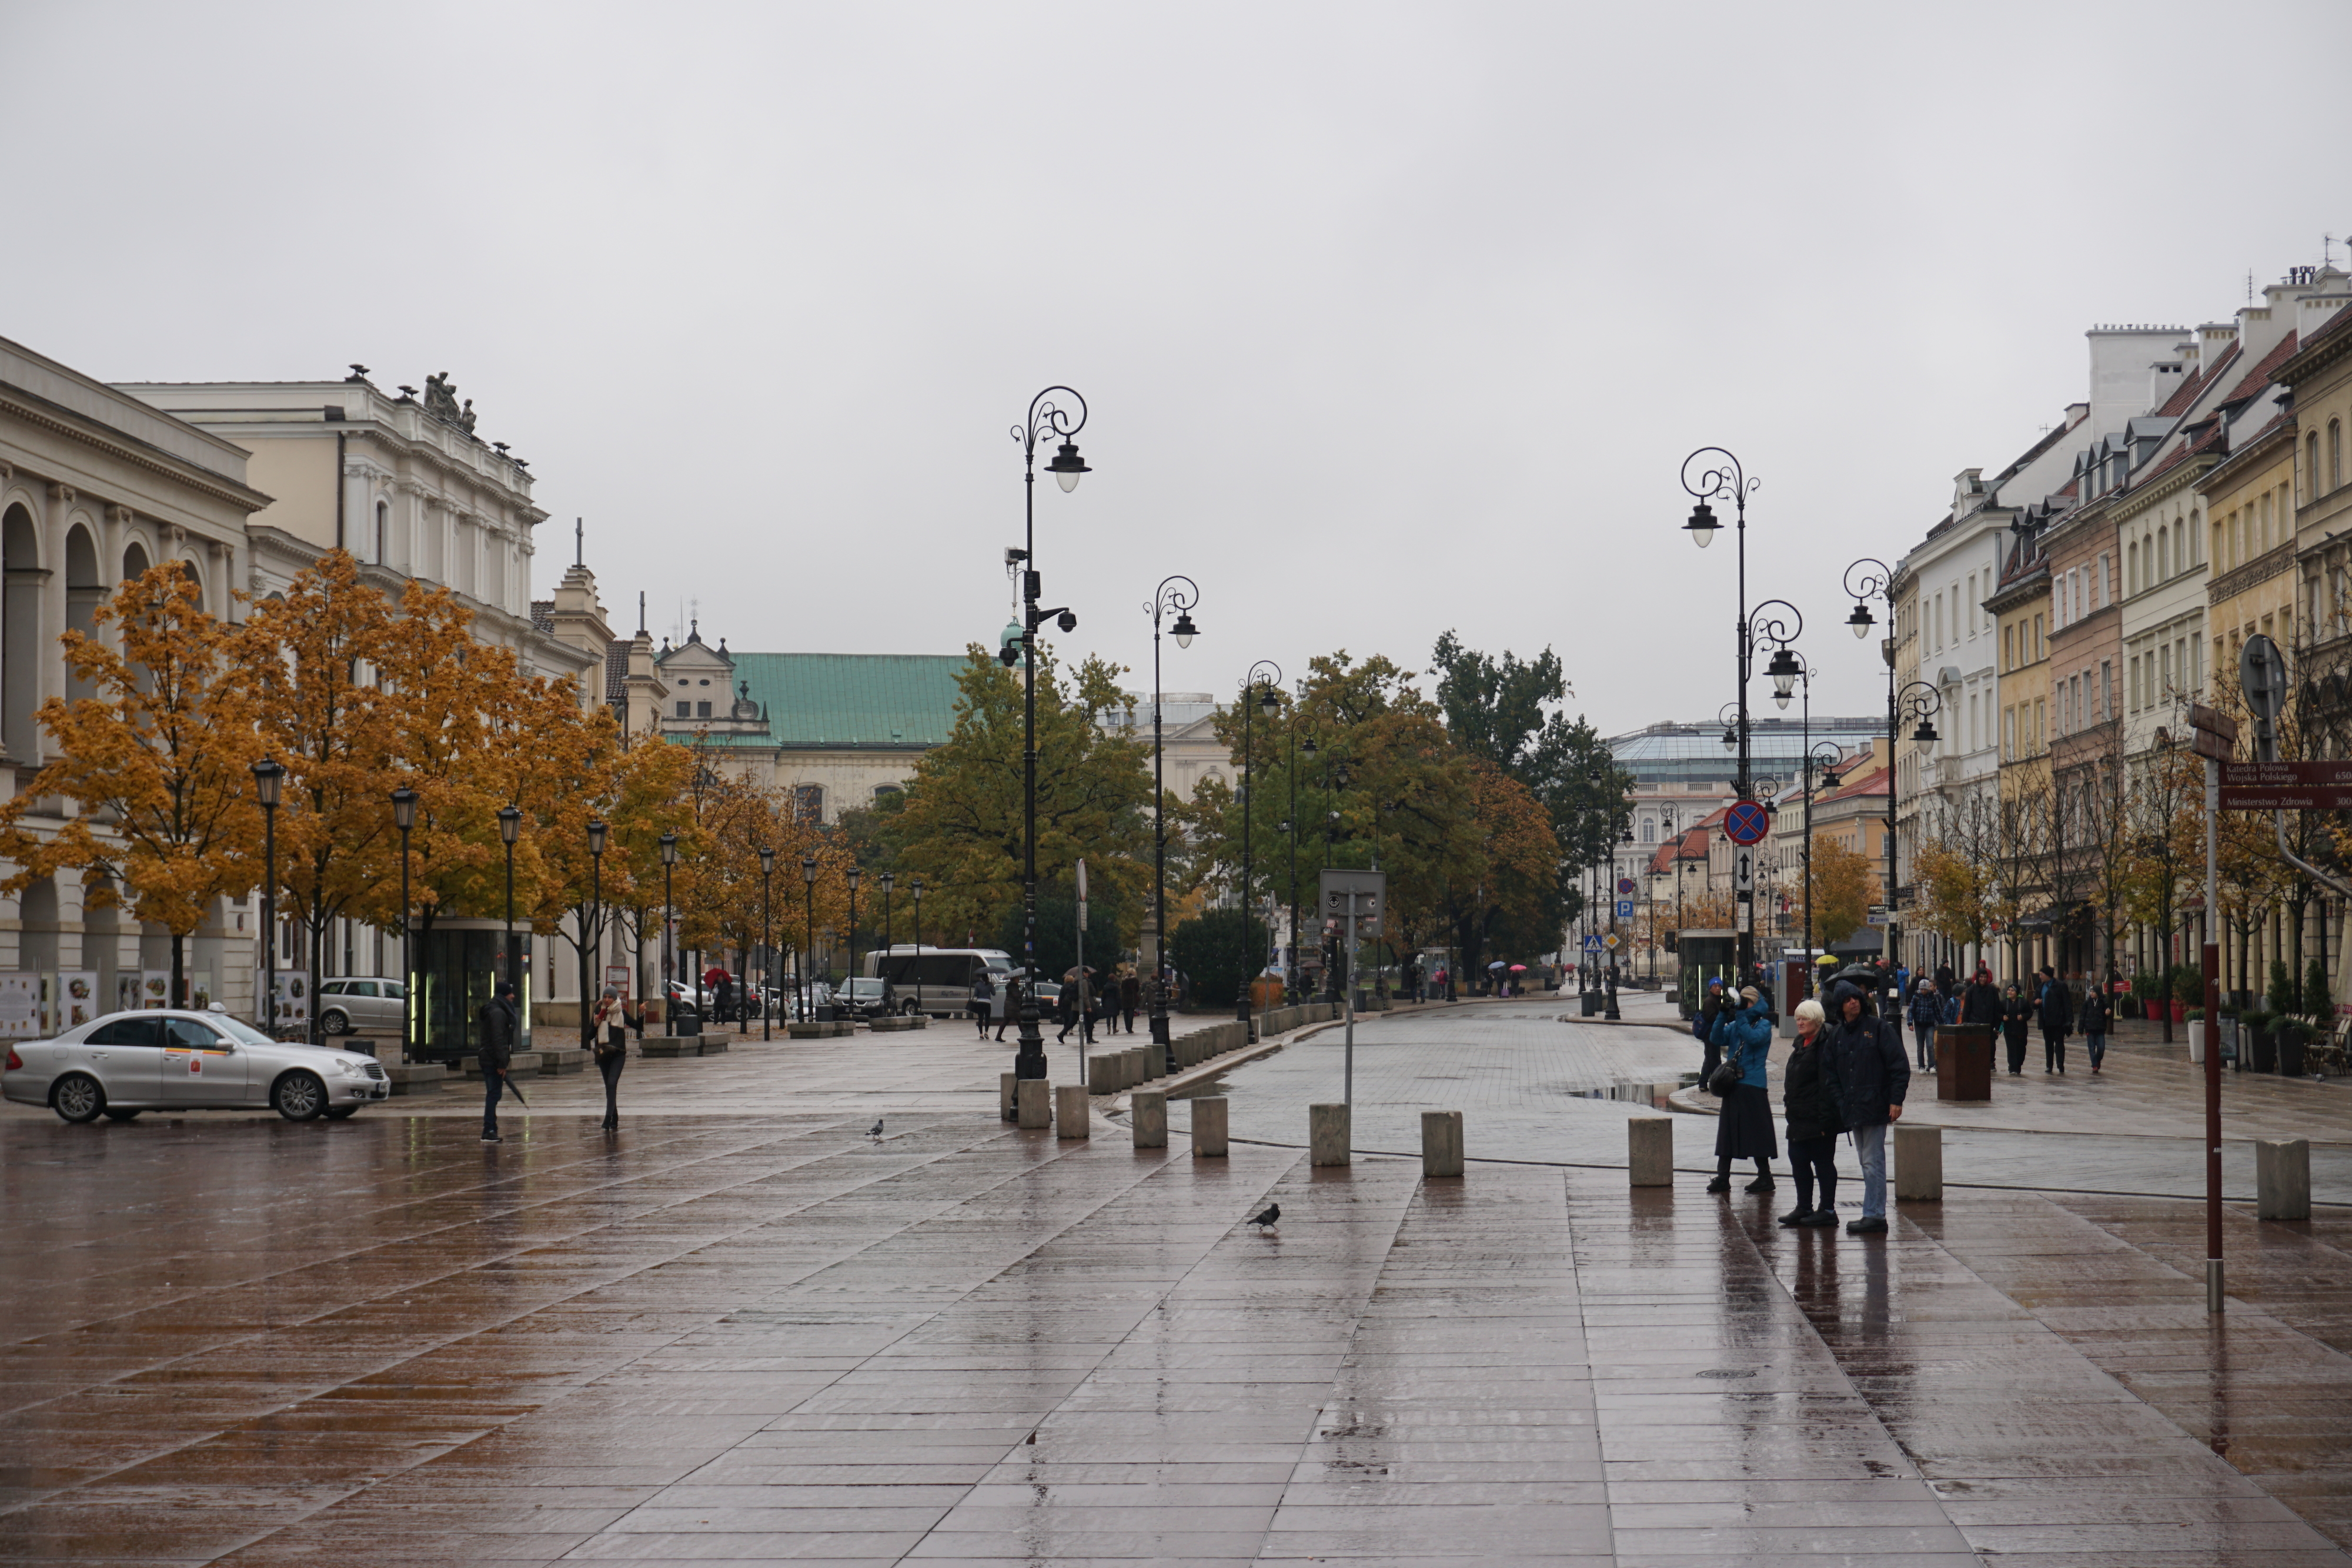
{"points": [[2053, 1050], [1926, 1034], [2096, 1044], [1707, 1064], [492, 1083], [610, 1065], [1810, 1160], [2014, 1039], [979, 1016]]}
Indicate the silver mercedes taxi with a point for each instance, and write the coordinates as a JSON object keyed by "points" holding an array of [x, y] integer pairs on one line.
{"points": [[174, 1060]]}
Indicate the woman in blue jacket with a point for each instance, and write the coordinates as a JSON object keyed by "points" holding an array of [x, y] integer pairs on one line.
{"points": [[1744, 1129]]}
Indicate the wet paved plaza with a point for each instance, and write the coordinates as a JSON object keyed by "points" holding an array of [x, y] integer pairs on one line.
{"points": [[760, 1337]]}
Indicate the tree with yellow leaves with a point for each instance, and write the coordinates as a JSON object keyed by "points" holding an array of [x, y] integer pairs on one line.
{"points": [[1844, 879], [156, 759]]}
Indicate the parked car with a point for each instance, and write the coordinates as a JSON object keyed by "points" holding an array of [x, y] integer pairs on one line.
{"points": [[173, 1059], [346, 1006], [866, 998]]}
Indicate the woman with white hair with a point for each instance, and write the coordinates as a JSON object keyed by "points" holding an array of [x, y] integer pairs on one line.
{"points": [[1810, 1099]]}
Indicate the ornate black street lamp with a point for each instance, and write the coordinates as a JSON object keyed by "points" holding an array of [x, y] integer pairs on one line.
{"points": [[890, 879], [808, 946], [1047, 419], [1290, 986], [1723, 477], [849, 975], [669, 842], [510, 828], [1258, 692], [1821, 760], [268, 776], [593, 938], [403, 817], [1866, 580], [916, 886], [767, 937], [1179, 594]]}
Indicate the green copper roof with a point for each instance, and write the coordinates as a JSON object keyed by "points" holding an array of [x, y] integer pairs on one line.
{"points": [[850, 699]]}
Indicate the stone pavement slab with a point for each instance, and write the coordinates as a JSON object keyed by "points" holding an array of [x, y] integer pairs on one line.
{"points": [[760, 1336]]}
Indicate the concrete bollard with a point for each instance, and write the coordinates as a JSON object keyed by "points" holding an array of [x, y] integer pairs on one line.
{"points": [[1102, 1074], [1130, 1069], [1209, 1127], [1441, 1143], [1650, 1151], [1148, 1064], [1148, 1110], [1073, 1117], [1919, 1163], [1327, 1138], [1036, 1099], [1007, 1104], [2281, 1178]]}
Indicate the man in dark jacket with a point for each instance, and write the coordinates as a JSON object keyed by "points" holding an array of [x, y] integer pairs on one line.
{"points": [[2056, 1018], [1870, 1074], [500, 1027], [1982, 1002]]}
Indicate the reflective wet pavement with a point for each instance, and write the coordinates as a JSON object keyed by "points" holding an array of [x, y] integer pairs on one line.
{"points": [[760, 1337]]}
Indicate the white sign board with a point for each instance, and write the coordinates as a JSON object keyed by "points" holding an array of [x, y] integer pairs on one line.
{"points": [[20, 1007], [75, 999]]}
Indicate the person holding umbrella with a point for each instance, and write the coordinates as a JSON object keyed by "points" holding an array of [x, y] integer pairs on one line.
{"points": [[1496, 983]]}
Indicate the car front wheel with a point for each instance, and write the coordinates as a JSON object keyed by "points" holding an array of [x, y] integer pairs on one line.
{"points": [[335, 1020], [78, 1098], [300, 1096]]}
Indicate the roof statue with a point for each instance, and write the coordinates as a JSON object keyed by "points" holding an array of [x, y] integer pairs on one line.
{"points": [[441, 402]]}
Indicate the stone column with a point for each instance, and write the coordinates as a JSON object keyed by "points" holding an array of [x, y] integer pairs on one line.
{"points": [[1328, 1140]]}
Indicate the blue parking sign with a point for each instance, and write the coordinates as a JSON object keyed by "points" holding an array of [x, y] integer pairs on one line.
{"points": [[1625, 909]]}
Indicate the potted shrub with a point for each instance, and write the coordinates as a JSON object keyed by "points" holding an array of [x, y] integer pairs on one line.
{"points": [[2291, 1038], [2261, 1044], [2188, 986]]}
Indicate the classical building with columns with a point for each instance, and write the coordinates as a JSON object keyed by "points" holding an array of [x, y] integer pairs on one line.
{"points": [[96, 486]]}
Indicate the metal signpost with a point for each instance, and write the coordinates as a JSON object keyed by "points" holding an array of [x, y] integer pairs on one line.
{"points": [[1745, 824], [1082, 971], [1353, 896]]}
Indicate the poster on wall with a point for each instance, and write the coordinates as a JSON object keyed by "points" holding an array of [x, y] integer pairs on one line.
{"points": [[289, 998], [20, 1007], [200, 990], [154, 988], [75, 999]]}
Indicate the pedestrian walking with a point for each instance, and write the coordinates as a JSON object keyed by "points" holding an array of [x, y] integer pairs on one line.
{"points": [[1065, 1005], [612, 1051], [2056, 1017], [1947, 983], [1812, 1108], [1982, 1003], [1870, 1075], [1926, 1012], [983, 1000], [1011, 1006], [2016, 1017], [500, 1027], [1743, 1131], [2097, 1015], [1130, 996]]}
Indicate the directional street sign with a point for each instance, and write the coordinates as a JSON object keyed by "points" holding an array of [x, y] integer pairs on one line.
{"points": [[2249, 798], [2287, 775], [1625, 909], [1743, 871], [1747, 822]]}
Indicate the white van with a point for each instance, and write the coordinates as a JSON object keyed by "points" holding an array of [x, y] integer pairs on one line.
{"points": [[940, 979]]}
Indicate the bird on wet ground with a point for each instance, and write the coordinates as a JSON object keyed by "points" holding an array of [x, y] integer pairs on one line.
{"points": [[875, 1132], [1267, 1217]]}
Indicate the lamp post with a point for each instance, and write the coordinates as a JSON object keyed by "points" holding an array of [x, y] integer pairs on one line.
{"points": [[403, 817], [669, 842], [1722, 476], [1290, 974], [767, 935], [849, 975], [268, 775], [1918, 705], [593, 959], [1820, 759], [1866, 580], [890, 879], [510, 828], [1179, 594], [917, 887], [808, 933], [1257, 691]]}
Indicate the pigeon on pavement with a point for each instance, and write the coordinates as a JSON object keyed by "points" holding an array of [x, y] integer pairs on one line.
{"points": [[1267, 1217], [875, 1132]]}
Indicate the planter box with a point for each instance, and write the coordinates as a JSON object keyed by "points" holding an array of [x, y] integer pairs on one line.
{"points": [[416, 1077], [2126, 1008], [2264, 1057], [554, 1063], [2290, 1056], [2180, 1012], [519, 1064], [893, 1025], [659, 1047]]}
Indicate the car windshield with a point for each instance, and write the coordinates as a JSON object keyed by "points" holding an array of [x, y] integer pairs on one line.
{"points": [[241, 1032], [864, 988]]}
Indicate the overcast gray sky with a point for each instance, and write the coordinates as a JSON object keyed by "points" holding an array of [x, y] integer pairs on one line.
{"points": [[1392, 318]]}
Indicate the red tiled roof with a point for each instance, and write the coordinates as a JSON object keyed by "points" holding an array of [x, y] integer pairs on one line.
{"points": [[1870, 783], [2182, 453], [2259, 376], [2192, 386], [1663, 860]]}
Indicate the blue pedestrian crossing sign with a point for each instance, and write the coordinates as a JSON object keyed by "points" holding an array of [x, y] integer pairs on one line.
{"points": [[1593, 942], [1625, 909]]}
